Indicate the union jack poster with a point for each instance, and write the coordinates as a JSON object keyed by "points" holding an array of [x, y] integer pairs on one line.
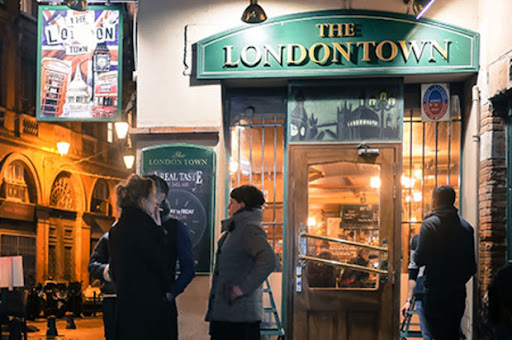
{"points": [[79, 63]]}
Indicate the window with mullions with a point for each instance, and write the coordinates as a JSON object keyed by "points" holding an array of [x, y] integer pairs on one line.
{"points": [[431, 157], [256, 129]]}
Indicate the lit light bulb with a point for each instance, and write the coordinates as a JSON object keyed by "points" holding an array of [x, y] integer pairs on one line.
{"points": [[63, 148], [233, 166], [311, 222], [375, 182], [416, 197], [408, 182]]}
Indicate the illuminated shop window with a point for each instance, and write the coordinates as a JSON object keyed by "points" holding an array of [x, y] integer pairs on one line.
{"points": [[431, 157], [257, 154]]}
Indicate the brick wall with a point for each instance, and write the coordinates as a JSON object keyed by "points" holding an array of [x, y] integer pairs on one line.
{"points": [[492, 190]]}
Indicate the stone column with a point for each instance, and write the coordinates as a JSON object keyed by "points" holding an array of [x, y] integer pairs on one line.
{"points": [[43, 225]]}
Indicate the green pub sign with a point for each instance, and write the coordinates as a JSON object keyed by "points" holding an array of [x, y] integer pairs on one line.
{"points": [[189, 170], [341, 42]]}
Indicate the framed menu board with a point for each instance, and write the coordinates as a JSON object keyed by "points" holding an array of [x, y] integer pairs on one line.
{"points": [[189, 170], [359, 215]]}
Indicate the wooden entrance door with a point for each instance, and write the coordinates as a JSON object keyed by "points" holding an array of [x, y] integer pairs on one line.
{"points": [[344, 201]]}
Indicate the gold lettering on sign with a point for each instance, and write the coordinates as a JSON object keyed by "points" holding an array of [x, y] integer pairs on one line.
{"points": [[335, 50], [312, 53], [434, 45], [245, 59], [228, 53], [278, 56], [322, 29], [337, 30], [343, 50], [418, 51], [394, 50], [366, 49], [350, 30], [290, 50]]}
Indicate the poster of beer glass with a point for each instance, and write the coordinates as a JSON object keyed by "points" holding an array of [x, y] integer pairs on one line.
{"points": [[79, 63]]}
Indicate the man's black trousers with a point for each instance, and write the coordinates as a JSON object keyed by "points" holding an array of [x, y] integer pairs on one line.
{"points": [[443, 311]]}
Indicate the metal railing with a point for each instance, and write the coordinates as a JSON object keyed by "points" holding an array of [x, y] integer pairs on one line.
{"points": [[305, 257]]}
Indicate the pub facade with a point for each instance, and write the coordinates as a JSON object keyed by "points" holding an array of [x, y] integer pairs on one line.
{"points": [[346, 116]]}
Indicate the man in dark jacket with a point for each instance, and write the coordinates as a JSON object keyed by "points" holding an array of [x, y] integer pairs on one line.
{"points": [[99, 269], [179, 248], [446, 249]]}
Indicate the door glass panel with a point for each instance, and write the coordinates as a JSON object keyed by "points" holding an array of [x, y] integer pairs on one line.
{"points": [[344, 203]]}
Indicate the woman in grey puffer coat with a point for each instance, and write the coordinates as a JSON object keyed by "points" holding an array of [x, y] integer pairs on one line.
{"points": [[244, 259]]}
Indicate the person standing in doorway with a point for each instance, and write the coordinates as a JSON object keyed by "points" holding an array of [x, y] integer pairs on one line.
{"points": [[446, 249], [244, 259], [179, 248]]}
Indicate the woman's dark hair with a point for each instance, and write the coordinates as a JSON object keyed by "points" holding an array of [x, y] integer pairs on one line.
{"points": [[251, 196], [160, 184], [133, 190]]}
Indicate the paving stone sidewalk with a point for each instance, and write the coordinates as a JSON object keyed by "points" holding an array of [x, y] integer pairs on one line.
{"points": [[87, 328]]}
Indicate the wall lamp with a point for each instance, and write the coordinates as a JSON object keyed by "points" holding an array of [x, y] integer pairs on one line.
{"points": [[121, 129], [254, 14], [420, 7], [63, 148], [128, 161], [77, 5]]}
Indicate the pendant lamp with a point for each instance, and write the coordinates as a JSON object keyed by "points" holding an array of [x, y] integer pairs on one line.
{"points": [[254, 14]]}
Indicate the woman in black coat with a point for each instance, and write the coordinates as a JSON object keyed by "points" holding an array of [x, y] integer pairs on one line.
{"points": [[138, 264]]}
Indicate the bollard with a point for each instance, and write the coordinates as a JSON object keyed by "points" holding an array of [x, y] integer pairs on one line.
{"points": [[15, 329], [52, 326], [70, 321]]}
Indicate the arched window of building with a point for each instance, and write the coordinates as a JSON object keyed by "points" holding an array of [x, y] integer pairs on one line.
{"points": [[62, 193], [100, 199], [18, 184]]}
